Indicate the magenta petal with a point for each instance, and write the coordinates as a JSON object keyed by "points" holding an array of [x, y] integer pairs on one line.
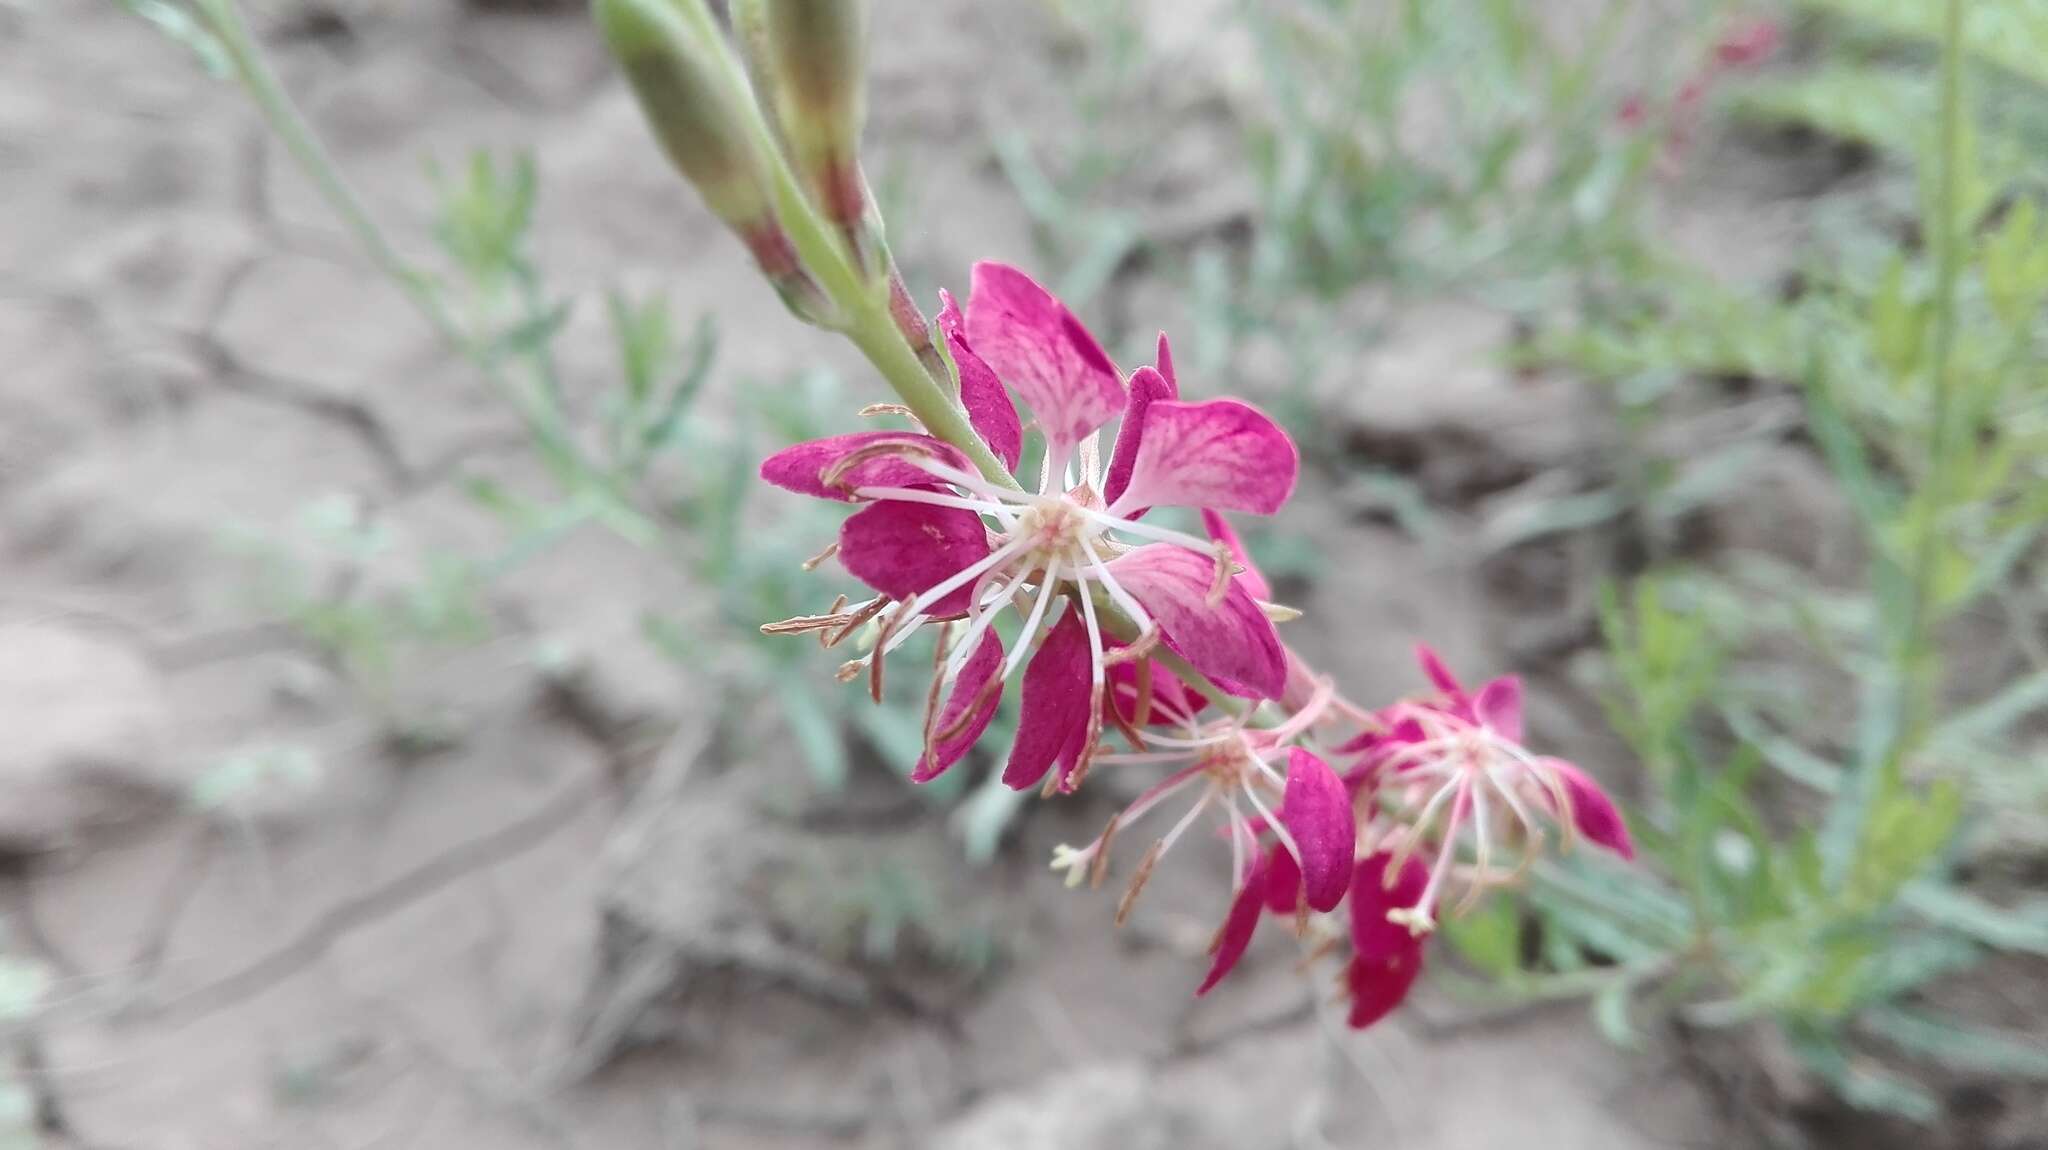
{"points": [[1147, 387], [1283, 883], [1316, 810], [1238, 925], [979, 686], [1377, 986], [1221, 453], [949, 318], [802, 468], [1593, 813], [1499, 705], [1440, 675], [1165, 364], [1219, 529], [1373, 936], [901, 549], [1056, 696], [1046, 356], [989, 409], [1232, 642]]}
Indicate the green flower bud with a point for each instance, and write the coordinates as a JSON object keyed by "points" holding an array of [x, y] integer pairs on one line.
{"points": [[808, 58], [696, 102], [691, 101]]}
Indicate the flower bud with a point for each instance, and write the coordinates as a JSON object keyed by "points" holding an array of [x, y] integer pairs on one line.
{"points": [[692, 104], [809, 59], [697, 104]]}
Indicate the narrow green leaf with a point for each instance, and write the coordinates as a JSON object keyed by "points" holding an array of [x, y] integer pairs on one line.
{"points": [[1961, 1047]]}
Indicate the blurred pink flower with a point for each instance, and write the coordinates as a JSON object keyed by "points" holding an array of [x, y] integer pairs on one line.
{"points": [[1386, 957], [1451, 767]]}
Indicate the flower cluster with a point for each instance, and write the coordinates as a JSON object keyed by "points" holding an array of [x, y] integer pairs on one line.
{"points": [[1135, 645], [1144, 646]]}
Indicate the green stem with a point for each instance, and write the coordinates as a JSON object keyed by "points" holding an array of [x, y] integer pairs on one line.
{"points": [[284, 118], [1914, 634], [874, 331], [1901, 700]]}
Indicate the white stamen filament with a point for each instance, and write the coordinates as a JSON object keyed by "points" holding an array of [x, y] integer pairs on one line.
{"points": [[1310, 713], [1272, 822], [1159, 793], [968, 481], [1096, 673], [1238, 833], [1422, 919], [938, 499], [986, 616], [1117, 594], [1482, 849], [1191, 744], [1046, 595], [1514, 802], [1186, 820], [1150, 531], [1141, 757], [969, 573]]}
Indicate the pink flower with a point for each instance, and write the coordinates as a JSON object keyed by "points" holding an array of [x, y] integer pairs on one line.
{"points": [[1386, 956], [941, 543], [1451, 767], [1260, 784]]}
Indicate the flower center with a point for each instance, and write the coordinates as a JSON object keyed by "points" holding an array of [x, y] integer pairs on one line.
{"points": [[1057, 529]]}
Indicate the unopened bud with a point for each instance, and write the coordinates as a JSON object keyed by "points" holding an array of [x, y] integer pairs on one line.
{"points": [[809, 60], [695, 104], [696, 101]]}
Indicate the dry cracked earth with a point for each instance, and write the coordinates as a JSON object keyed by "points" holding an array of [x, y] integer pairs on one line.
{"points": [[572, 919]]}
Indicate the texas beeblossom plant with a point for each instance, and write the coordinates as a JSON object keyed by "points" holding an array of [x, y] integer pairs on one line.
{"points": [[1132, 645]]}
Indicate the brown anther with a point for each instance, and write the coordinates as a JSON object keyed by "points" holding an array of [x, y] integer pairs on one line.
{"points": [[931, 697], [908, 443], [1130, 732], [848, 671], [1098, 867], [1138, 880], [850, 623], [812, 563], [877, 656], [974, 707]]}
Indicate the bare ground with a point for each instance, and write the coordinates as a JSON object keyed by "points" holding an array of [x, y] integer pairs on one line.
{"points": [[551, 934]]}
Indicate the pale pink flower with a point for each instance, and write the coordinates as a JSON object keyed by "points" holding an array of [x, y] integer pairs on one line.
{"points": [[1450, 773]]}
